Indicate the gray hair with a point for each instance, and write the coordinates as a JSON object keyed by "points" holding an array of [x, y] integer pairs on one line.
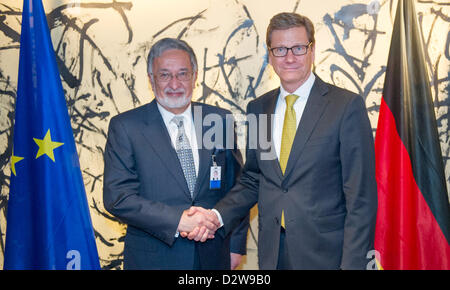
{"points": [[167, 44]]}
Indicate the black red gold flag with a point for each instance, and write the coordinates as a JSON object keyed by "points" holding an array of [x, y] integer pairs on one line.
{"points": [[413, 222]]}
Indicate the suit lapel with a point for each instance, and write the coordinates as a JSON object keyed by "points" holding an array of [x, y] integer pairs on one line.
{"points": [[269, 110], [204, 154], [158, 138], [313, 111]]}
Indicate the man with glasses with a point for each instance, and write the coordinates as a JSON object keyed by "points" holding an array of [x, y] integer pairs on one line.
{"points": [[155, 170], [316, 196]]}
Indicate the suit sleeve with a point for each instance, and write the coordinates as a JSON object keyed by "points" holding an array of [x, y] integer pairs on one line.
{"points": [[235, 207], [238, 242], [121, 189], [359, 185]]}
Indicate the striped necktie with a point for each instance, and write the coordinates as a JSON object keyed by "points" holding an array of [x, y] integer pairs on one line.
{"points": [[289, 129]]}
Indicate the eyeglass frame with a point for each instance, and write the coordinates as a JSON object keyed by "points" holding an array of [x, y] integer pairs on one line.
{"points": [[171, 76], [306, 46]]}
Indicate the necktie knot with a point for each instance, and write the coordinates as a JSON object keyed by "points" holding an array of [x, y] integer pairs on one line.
{"points": [[178, 120], [290, 100]]}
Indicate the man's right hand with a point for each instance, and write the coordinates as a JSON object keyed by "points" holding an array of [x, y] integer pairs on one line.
{"points": [[198, 224]]}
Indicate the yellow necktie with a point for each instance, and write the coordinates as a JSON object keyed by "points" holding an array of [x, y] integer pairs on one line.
{"points": [[289, 129]]}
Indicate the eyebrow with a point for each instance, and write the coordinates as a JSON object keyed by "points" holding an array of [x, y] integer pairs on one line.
{"points": [[166, 70], [298, 44]]}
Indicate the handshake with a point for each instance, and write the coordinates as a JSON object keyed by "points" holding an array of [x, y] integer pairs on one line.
{"points": [[198, 224]]}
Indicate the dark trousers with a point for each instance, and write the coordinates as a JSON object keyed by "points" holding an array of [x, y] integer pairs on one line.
{"points": [[197, 265], [283, 253]]}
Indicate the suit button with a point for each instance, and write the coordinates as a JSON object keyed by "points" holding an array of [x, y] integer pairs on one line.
{"points": [[285, 190]]}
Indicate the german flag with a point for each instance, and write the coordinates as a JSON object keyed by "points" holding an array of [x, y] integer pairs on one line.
{"points": [[413, 221]]}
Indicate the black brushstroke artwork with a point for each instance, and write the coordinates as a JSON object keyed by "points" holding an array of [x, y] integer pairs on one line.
{"points": [[221, 79]]}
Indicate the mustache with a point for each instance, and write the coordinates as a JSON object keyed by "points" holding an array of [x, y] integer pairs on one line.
{"points": [[172, 91]]}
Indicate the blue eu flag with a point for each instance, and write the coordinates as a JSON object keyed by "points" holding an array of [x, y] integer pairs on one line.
{"points": [[48, 221]]}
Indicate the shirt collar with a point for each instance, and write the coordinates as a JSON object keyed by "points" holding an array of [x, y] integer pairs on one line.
{"points": [[302, 91], [168, 116]]}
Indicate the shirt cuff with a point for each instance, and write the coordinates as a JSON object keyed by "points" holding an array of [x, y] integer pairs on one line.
{"points": [[218, 216]]}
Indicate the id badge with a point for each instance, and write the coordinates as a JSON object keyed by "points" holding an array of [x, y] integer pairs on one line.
{"points": [[214, 180], [215, 175]]}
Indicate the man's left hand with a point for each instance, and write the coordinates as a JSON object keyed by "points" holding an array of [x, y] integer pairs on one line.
{"points": [[236, 260]]}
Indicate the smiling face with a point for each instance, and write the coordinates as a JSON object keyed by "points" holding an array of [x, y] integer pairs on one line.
{"points": [[174, 95], [292, 70]]}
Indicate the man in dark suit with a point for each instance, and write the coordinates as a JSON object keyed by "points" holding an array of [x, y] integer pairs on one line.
{"points": [[156, 168], [315, 186]]}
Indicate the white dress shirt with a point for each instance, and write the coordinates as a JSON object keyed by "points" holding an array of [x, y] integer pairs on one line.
{"points": [[188, 126], [303, 92]]}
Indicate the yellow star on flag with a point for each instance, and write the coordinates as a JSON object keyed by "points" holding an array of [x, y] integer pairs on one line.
{"points": [[46, 146], [14, 160]]}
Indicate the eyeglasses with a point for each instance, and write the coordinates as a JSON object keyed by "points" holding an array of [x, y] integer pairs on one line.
{"points": [[296, 50], [182, 76]]}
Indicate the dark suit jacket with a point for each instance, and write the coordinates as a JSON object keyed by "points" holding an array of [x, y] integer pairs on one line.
{"points": [[145, 188], [328, 192]]}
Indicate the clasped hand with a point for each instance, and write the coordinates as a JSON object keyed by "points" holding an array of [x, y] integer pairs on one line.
{"points": [[198, 224]]}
